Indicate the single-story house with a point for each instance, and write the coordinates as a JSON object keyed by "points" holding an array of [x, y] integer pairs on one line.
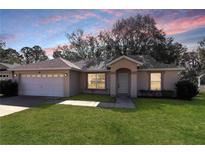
{"points": [[5, 74], [124, 75]]}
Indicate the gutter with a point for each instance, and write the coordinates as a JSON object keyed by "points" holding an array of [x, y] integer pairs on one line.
{"points": [[162, 69]]}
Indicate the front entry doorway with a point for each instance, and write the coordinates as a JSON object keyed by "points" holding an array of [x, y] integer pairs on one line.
{"points": [[123, 83]]}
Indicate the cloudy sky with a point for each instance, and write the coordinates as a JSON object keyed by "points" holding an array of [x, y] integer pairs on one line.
{"points": [[47, 28]]}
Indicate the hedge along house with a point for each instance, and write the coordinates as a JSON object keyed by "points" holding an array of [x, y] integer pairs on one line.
{"points": [[124, 75]]}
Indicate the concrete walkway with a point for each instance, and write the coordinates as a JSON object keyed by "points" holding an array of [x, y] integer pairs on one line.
{"points": [[8, 109], [80, 103], [121, 102]]}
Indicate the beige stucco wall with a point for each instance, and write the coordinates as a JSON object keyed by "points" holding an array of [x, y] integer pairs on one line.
{"points": [[143, 80], [74, 82], [123, 63], [169, 78], [66, 78]]}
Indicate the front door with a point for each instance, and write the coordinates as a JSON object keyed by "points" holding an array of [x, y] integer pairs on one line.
{"points": [[123, 83]]}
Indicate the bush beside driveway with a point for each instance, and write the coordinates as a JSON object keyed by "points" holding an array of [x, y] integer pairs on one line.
{"points": [[154, 121]]}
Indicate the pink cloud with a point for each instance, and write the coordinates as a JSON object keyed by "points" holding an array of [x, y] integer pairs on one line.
{"points": [[52, 19], [49, 51], [8, 37], [116, 13], [182, 25], [85, 15], [71, 18]]}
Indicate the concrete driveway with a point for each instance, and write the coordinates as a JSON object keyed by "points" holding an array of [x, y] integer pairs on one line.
{"points": [[9, 105]]}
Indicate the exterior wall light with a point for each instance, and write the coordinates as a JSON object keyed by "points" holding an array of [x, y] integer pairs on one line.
{"points": [[15, 75], [65, 74]]}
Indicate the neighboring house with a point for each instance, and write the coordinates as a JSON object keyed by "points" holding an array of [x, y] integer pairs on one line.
{"points": [[123, 75], [201, 84], [5, 74]]}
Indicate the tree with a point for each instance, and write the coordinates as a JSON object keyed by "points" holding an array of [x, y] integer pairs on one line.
{"points": [[38, 54], [2, 45], [9, 55], [80, 46], [139, 35], [192, 64], [169, 52], [66, 53], [33, 55], [201, 51], [27, 55]]}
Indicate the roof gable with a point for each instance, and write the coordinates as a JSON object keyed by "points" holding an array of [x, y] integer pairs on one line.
{"points": [[125, 57], [7, 65]]}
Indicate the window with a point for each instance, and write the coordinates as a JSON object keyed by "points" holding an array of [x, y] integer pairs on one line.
{"points": [[96, 80], [155, 81]]}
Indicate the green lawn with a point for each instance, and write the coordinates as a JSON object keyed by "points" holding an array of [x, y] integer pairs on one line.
{"points": [[154, 121], [91, 97]]}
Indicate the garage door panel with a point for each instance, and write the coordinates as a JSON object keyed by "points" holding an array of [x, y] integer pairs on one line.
{"points": [[38, 86]]}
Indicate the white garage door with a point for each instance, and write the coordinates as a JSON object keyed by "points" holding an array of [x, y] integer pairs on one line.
{"points": [[42, 84]]}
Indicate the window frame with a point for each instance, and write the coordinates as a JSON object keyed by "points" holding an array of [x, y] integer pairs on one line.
{"points": [[96, 86], [161, 81]]}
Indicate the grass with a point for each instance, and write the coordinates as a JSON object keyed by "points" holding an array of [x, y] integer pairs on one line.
{"points": [[154, 121], [91, 97]]}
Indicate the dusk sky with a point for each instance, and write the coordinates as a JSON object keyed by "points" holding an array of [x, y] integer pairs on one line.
{"points": [[47, 28]]}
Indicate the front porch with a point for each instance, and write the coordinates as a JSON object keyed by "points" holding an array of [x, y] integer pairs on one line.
{"points": [[123, 77]]}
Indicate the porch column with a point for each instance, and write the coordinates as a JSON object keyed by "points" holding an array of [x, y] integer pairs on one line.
{"points": [[133, 90], [113, 83]]}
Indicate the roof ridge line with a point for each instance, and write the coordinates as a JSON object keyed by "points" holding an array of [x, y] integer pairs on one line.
{"points": [[65, 61]]}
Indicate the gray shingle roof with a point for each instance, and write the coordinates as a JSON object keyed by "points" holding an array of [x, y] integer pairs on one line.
{"points": [[9, 65], [88, 65], [148, 63], [53, 64], [91, 65]]}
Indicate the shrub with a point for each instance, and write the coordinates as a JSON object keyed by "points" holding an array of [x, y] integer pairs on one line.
{"points": [[186, 89], [153, 93], [8, 88]]}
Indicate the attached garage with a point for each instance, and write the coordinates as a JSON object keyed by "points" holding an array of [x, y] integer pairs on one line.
{"points": [[47, 78], [42, 84]]}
